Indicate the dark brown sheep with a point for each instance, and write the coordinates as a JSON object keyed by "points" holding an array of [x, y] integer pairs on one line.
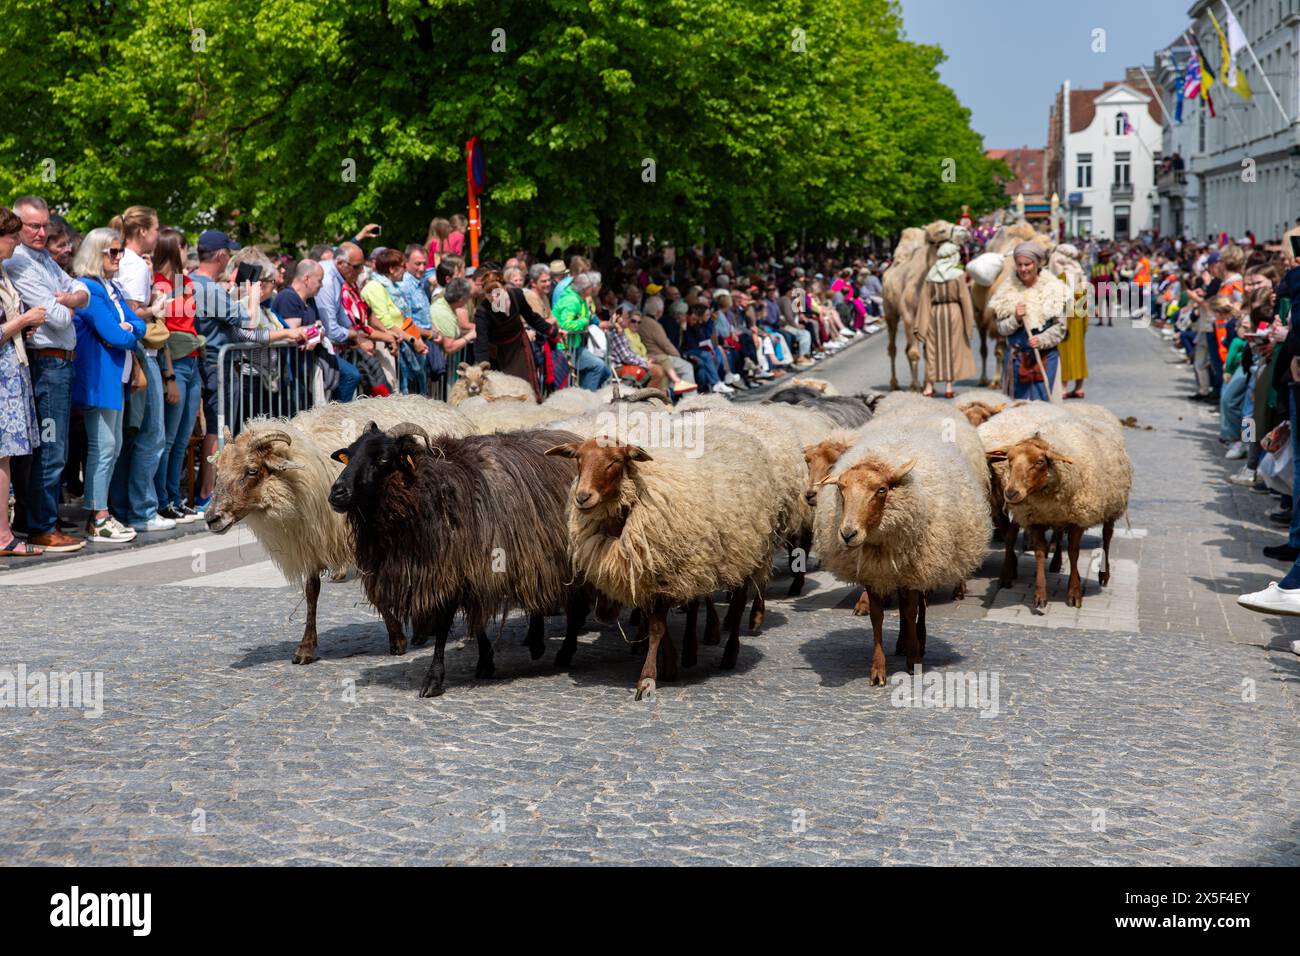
{"points": [[473, 524]]}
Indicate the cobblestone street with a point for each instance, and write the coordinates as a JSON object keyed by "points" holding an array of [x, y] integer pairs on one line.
{"points": [[1155, 725]]}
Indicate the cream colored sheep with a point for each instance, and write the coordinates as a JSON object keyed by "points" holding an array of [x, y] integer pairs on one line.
{"points": [[902, 509], [277, 474], [481, 380], [652, 528], [491, 417], [1063, 469]]}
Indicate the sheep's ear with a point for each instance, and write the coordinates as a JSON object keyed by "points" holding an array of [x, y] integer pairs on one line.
{"points": [[902, 471], [341, 456], [372, 427], [568, 450], [485, 365], [637, 453], [997, 454], [227, 435], [1056, 456], [462, 367]]}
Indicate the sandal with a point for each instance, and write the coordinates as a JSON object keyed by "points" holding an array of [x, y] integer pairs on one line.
{"points": [[947, 393], [1077, 393], [928, 392], [20, 549]]}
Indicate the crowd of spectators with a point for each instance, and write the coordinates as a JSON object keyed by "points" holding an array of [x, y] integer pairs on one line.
{"points": [[112, 375]]}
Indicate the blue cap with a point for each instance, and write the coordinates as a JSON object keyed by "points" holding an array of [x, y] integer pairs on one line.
{"points": [[214, 240]]}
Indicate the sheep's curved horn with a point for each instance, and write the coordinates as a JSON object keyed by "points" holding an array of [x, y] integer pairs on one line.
{"points": [[262, 439], [645, 395], [410, 428]]}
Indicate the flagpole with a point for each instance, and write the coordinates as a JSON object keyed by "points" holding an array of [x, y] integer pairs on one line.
{"points": [[1152, 87], [1251, 50]]}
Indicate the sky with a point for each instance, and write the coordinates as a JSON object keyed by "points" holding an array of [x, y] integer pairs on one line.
{"points": [[1007, 58]]}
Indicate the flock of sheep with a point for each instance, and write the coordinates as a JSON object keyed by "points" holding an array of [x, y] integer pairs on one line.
{"points": [[493, 503]]}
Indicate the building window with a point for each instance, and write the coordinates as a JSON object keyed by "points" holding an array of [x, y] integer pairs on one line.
{"points": [[1083, 221], [1122, 125], [1084, 177], [1200, 129], [1123, 166]]}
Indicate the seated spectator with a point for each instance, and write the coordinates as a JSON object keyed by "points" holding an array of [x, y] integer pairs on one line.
{"points": [[659, 348]]}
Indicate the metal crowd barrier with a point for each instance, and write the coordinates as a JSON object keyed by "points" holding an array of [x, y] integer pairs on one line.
{"points": [[254, 380]]}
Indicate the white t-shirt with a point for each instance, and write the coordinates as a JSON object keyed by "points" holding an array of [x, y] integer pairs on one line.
{"points": [[121, 317], [136, 279]]}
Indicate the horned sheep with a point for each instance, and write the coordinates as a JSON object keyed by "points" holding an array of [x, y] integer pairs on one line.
{"points": [[277, 474], [474, 524]]}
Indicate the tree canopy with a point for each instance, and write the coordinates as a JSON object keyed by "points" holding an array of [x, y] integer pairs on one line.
{"points": [[699, 120]]}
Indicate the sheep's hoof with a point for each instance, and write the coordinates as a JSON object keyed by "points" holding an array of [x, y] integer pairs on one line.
{"points": [[563, 658], [796, 588], [1006, 580], [877, 676], [756, 622], [1103, 578], [397, 648], [1074, 598], [959, 592], [431, 688], [536, 650], [646, 689], [1040, 600], [304, 657], [863, 606], [485, 669]]}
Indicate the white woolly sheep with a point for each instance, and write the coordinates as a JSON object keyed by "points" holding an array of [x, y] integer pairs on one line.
{"points": [[655, 529], [902, 509], [277, 474], [481, 380]]}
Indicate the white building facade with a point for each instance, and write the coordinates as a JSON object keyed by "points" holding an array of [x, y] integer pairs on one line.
{"points": [[1248, 161], [1111, 146]]}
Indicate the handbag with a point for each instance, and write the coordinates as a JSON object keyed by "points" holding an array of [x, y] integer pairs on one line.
{"points": [[139, 381], [156, 334]]}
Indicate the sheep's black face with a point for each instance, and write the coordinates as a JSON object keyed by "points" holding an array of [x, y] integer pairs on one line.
{"points": [[366, 463]]}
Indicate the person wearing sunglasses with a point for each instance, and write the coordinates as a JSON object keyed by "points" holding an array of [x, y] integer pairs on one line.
{"points": [[50, 346], [107, 332]]}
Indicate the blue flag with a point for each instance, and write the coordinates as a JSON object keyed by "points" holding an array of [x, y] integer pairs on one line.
{"points": [[1178, 106]]}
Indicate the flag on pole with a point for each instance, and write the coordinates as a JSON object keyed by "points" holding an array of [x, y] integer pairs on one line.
{"points": [[1178, 104], [1207, 75], [1195, 82], [1128, 127], [1230, 46]]}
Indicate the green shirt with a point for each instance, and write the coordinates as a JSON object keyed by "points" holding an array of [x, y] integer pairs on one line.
{"points": [[444, 319], [573, 314]]}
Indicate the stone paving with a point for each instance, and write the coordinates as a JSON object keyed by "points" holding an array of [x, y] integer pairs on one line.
{"points": [[1157, 726]]}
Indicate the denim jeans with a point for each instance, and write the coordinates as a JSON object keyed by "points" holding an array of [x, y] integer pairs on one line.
{"points": [[1293, 538], [1231, 403], [178, 425], [103, 442], [804, 339], [52, 391], [1216, 363], [707, 374], [132, 496], [592, 372]]}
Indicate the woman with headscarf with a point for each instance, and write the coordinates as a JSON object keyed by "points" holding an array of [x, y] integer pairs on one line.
{"points": [[1064, 264], [944, 322], [1030, 308]]}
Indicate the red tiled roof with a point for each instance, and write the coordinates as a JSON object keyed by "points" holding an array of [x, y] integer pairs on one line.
{"points": [[1083, 109], [1027, 165]]}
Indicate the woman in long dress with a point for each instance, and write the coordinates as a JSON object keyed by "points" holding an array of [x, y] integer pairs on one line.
{"points": [[1030, 308], [1064, 264], [945, 320]]}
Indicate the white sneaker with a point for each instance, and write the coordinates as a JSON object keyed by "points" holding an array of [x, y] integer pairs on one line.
{"points": [[1272, 600], [723, 388], [1244, 477], [1236, 450], [108, 531], [732, 378], [158, 523], [1295, 647]]}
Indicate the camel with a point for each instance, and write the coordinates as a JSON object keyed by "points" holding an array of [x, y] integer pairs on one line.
{"points": [[902, 282], [1003, 241]]}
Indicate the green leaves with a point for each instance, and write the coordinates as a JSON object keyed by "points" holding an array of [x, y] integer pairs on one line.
{"points": [[761, 117]]}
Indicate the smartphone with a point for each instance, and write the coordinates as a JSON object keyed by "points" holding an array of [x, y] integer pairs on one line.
{"points": [[1295, 246], [313, 333], [379, 230], [248, 272]]}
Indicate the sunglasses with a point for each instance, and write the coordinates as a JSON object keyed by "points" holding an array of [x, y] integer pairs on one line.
{"points": [[114, 253]]}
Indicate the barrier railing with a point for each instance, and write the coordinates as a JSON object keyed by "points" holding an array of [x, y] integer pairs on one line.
{"points": [[253, 380]]}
